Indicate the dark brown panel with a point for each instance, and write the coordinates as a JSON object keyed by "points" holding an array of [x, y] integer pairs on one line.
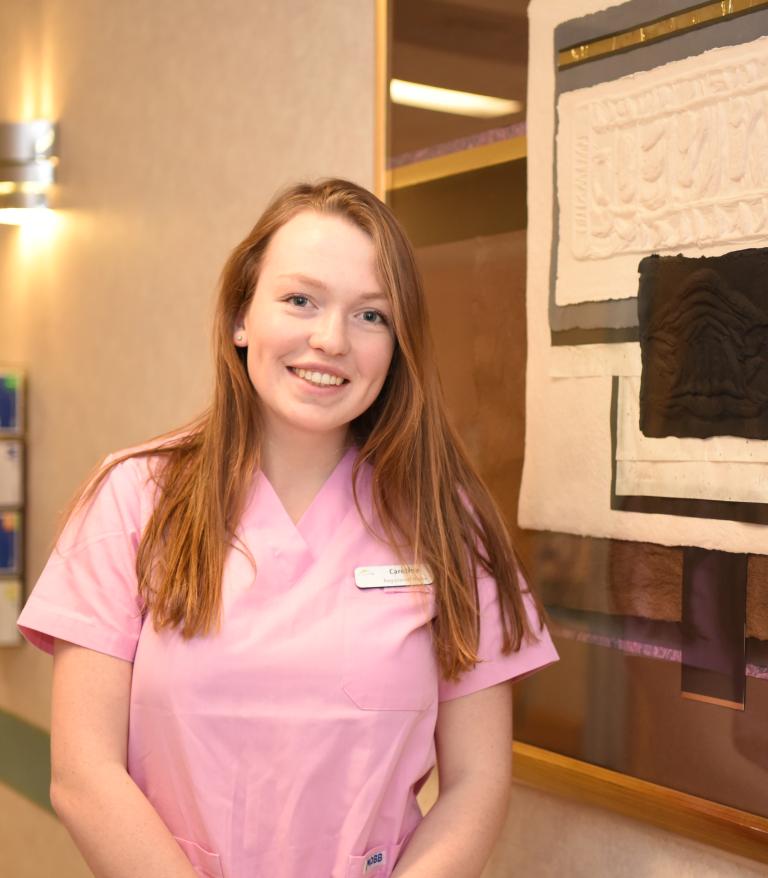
{"points": [[714, 616], [703, 337]]}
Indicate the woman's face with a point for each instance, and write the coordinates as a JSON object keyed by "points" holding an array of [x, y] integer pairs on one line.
{"points": [[318, 328]]}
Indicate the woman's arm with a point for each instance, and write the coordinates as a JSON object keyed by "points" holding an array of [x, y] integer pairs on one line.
{"points": [[116, 829], [474, 757]]}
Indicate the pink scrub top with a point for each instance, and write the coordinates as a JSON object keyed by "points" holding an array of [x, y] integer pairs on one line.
{"points": [[294, 741]]}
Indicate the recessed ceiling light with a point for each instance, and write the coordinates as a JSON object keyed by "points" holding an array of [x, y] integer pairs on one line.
{"points": [[447, 100]]}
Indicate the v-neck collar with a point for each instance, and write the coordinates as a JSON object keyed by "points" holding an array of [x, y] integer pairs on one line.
{"points": [[265, 511]]}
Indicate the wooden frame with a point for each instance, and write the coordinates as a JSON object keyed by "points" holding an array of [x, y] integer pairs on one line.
{"points": [[381, 95], [726, 828]]}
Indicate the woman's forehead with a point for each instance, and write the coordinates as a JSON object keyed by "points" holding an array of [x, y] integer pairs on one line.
{"points": [[325, 249]]}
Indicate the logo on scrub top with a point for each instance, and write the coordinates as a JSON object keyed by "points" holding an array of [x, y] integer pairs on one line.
{"points": [[374, 861]]}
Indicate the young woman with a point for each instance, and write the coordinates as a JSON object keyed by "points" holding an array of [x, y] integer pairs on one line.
{"points": [[267, 625]]}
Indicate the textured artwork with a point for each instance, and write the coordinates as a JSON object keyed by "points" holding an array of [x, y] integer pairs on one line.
{"points": [[718, 478], [653, 546], [669, 160], [634, 445], [589, 360], [587, 316], [659, 150], [704, 341]]}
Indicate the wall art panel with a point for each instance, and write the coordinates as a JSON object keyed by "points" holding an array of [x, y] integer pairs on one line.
{"points": [[633, 445], [669, 160]]}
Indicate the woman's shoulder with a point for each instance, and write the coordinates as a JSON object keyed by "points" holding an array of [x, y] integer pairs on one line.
{"points": [[128, 472], [120, 494], [138, 464]]}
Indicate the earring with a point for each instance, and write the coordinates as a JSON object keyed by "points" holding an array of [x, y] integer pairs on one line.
{"points": [[239, 337]]}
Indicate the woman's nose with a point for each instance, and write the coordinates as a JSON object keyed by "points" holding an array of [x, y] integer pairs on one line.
{"points": [[329, 334]]}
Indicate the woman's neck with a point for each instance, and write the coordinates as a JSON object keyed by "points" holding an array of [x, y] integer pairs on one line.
{"points": [[297, 466]]}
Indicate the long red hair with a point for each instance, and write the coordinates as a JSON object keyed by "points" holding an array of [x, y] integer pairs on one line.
{"points": [[427, 495]]}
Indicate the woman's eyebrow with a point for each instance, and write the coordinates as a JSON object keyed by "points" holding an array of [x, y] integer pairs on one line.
{"points": [[308, 281], [304, 279]]}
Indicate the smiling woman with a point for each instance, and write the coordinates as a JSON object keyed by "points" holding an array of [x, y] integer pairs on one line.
{"points": [[317, 352], [297, 601]]}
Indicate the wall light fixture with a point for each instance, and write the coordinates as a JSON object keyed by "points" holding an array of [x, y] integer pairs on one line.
{"points": [[27, 168]]}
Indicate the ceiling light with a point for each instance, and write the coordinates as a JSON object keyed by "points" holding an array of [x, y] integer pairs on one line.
{"points": [[447, 100]]}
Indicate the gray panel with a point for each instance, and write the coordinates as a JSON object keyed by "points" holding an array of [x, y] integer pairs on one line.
{"points": [[611, 21], [730, 32]]}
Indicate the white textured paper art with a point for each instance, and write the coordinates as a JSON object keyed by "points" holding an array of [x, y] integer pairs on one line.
{"points": [[718, 468], [633, 445], [588, 360], [670, 160]]}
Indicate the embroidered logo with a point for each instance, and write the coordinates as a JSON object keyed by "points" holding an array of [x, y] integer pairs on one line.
{"points": [[375, 861]]}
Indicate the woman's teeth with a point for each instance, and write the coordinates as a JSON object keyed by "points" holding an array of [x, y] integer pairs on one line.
{"points": [[320, 378]]}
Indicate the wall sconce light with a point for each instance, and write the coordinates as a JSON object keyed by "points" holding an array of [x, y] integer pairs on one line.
{"points": [[27, 168]]}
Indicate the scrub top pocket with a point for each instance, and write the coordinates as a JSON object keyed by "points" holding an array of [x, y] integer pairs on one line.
{"points": [[378, 862], [388, 659]]}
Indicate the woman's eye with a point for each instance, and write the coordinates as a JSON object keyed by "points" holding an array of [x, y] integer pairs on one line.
{"points": [[298, 300], [372, 316]]}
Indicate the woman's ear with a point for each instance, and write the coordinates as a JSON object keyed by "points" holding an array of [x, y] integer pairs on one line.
{"points": [[239, 334]]}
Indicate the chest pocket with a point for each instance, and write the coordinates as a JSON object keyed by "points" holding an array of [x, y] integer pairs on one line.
{"points": [[388, 659]]}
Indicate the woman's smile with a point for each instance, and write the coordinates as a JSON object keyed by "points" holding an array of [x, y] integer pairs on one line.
{"points": [[318, 378]]}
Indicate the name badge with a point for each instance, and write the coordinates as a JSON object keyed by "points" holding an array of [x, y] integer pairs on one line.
{"points": [[390, 575]]}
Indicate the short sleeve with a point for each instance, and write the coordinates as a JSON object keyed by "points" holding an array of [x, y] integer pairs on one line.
{"points": [[87, 593], [493, 666]]}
